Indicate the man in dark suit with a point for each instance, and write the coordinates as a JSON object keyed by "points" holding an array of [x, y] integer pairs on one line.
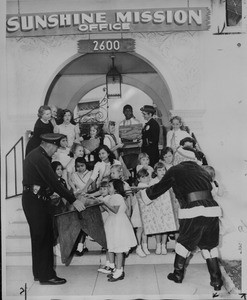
{"points": [[39, 183], [150, 134]]}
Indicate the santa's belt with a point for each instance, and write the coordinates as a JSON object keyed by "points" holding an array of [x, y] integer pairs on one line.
{"points": [[199, 195]]}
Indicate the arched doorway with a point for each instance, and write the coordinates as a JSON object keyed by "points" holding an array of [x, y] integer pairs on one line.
{"points": [[87, 72]]}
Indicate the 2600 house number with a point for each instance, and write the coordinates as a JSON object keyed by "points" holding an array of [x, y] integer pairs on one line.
{"points": [[106, 45]]}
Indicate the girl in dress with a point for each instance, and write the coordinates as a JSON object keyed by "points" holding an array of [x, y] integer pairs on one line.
{"points": [[117, 173], [161, 239], [102, 168], [142, 248], [62, 154], [143, 162], [58, 204], [120, 235], [166, 156], [76, 150], [176, 134], [91, 144], [81, 175], [69, 128]]}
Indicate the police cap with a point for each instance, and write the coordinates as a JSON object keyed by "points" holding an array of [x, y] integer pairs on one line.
{"points": [[52, 138], [148, 108]]}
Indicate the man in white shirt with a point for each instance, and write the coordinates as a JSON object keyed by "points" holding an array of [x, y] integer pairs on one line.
{"points": [[129, 117]]}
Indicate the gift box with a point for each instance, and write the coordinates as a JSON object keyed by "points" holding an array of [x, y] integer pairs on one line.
{"points": [[159, 216], [130, 132], [91, 144]]}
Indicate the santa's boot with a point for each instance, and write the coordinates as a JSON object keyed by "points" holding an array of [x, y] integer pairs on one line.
{"points": [[178, 273], [215, 274]]}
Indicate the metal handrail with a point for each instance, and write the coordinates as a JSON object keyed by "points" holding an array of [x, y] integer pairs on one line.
{"points": [[14, 150]]}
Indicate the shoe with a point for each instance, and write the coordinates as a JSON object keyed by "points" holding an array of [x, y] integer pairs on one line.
{"points": [[111, 274], [106, 270], [112, 279], [36, 279], [179, 269], [54, 281], [145, 249], [79, 253], [164, 250], [140, 252], [158, 249]]}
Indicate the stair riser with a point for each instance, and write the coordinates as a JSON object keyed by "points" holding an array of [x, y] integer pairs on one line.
{"points": [[18, 228], [17, 244]]}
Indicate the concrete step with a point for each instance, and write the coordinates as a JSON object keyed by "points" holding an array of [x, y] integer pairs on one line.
{"points": [[98, 258], [18, 228]]}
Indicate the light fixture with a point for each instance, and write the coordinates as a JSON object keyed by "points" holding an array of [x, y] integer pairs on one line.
{"points": [[113, 81]]}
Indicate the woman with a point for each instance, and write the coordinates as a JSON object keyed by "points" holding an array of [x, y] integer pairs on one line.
{"points": [[150, 135], [68, 128], [43, 125]]}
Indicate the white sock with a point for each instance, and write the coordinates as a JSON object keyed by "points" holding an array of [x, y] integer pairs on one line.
{"points": [[118, 272], [80, 247], [111, 265], [107, 263]]}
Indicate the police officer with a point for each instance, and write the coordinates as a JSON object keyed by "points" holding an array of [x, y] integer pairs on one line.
{"points": [[39, 182], [198, 217], [150, 134]]}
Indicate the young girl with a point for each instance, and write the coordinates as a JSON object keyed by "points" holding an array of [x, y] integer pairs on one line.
{"points": [[176, 134], [166, 156], [142, 248], [91, 144], [120, 235], [58, 204], [81, 175], [143, 162], [102, 168], [62, 153], [217, 189], [161, 239], [117, 173], [76, 150]]}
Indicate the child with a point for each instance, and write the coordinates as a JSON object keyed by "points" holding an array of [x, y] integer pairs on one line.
{"points": [[81, 175], [120, 235], [142, 250], [161, 239], [143, 162], [217, 189], [91, 145], [62, 153], [176, 134], [76, 150], [104, 195], [58, 204], [166, 156], [117, 173], [102, 168]]}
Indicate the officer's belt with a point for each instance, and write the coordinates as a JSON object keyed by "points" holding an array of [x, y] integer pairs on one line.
{"points": [[199, 195]]}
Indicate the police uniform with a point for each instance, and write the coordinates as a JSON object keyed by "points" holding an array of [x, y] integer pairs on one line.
{"points": [[198, 216], [150, 140], [39, 182]]}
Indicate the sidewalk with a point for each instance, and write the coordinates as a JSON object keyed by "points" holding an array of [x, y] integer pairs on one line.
{"points": [[142, 280]]}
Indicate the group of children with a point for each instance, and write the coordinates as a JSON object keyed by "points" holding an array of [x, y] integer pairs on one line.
{"points": [[123, 213]]}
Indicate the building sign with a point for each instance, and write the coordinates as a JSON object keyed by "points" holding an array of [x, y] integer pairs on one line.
{"points": [[106, 45], [110, 21]]}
